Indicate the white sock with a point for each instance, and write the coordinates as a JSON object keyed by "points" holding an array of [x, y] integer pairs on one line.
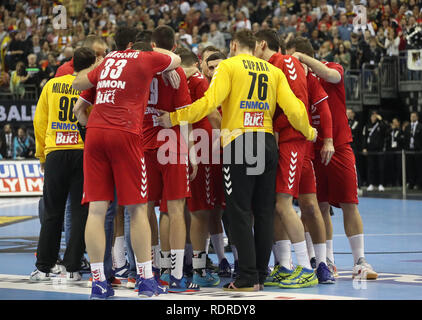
{"points": [[155, 252], [218, 244], [97, 271], [357, 245], [302, 254], [207, 245], [188, 253], [283, 252], [199, 259], [275, 254], [330, 251], [309, 245], [144, 269], [119, 252], [234, 251], [177, 262], [320, 253], [165, 260]]}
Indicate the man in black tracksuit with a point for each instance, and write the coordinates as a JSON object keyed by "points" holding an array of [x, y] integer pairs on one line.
{"points": [[394, 143]]}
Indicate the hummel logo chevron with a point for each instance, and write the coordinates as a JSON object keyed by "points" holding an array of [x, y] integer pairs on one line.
{"points": [[143, 194], [291, 180], [144, 187], [144, 181], [207, 168], [293, 71], [290, 66], [293, 168], [294, 154], [226, 169], [288, 60], [292, 173], [227, 177], [290, 186], [228, 184], [293, 77], [293, 161]]}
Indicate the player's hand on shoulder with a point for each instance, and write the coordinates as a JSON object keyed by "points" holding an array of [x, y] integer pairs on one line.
{"points": [[172, 77], [316, 135], [164, 119]]}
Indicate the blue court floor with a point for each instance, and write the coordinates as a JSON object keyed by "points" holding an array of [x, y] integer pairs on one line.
{"points": [[393, 244]]}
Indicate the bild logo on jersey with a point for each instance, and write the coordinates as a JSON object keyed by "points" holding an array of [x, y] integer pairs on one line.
{"points": [[66, 138], [253, 119]]}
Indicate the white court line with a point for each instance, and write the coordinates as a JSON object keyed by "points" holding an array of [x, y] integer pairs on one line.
{"points": [[18, 203]]}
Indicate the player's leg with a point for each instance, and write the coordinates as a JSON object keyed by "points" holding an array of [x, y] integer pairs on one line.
{"points": [[187, 260], [120, 264], [309, 243], [165, 254], [155, 243], [217, 240]]}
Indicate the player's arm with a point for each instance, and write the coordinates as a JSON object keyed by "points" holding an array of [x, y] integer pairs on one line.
{"points": [[175, 59], [326, 124], [41, 125], [294, 109], [80, 110], [320, 69], [217, 92], [82, 81], [215, 119]]}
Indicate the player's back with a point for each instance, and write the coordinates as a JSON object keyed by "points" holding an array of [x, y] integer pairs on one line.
{"points": [[198, 85], [163, 97], [337, 102], [122, 88]]}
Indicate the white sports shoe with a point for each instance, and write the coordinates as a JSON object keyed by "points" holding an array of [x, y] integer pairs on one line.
{"points": [[381, 188], [363, 270], [73, 276], [38, 275], [58, 269], [371, 188]]}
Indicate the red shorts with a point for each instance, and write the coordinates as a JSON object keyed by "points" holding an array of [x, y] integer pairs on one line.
{"points": [[289, 169], [218, 189], [167, 181], [114, 158], [337, 183], [202, 190], [307, 178]]}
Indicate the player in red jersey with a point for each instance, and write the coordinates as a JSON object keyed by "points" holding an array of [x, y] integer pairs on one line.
{"points": [[168, 167], [292, 147], [114, 154], [337, 180], [200, 205]]}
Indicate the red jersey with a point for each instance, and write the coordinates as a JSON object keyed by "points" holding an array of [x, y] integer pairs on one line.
{"points": [[164, 97], [296, 77], [122, 84], [337, 103], [65, 68], [198, 84]]}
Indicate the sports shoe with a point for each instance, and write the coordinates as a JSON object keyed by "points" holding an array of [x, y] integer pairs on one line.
{"points": [[381, 188], [224, 269], [101, 290], [210, 265], [331, 266], [131, 283], [85, 266], [38, 275], [370, 188], [73, 276], [273, 273], [165, 279], [156, 273], [363, 270], [122, 272], [188, 270], [306, 278], [324, 274], [149, 287], [58, 268], [205, 278], [114, 282], [182, 285], [313, 263], [281, 274]]}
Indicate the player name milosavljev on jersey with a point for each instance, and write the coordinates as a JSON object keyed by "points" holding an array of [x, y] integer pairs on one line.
{"points": [[248, 90]]}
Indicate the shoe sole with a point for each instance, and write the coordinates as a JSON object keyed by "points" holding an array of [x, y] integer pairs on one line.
{"points": [[327, 282], [271, 284], [182, 290], [207, 285], [369, 276], [299, 286], [148, 294]]}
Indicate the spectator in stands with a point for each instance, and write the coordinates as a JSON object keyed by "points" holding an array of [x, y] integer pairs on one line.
{"points": [[343, 57], [261, 12], [6, 140], [355, 53], [4, 80], [325, 52], [392, 43], [393, 161], [37, 77], [315, 40], [216, 38], [241, 22], [345, 28], [16, 50], [413, 142], [373, 141], [375, 53], [23, 145], [18, 79], [356, 129]]}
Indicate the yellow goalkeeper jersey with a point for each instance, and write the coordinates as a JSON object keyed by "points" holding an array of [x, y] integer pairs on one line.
{"points": [[55, 125], [248, 90]]}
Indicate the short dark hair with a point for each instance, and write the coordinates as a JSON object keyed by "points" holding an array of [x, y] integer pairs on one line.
{"points": [[163, 37], [142, 46], [245, 38], [83, 58], [124, 35], [216, 56], [209, 48], [144, 36], [91, 39], [270, 37], [188, 57], [303, 45]]}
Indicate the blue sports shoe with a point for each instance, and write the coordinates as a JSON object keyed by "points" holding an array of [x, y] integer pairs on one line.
{"points": [[156, 273], [224, 269], [149, 287], [181, 285], [122, 272], [164, 279], [101, 290], [324, 274], [205, 278]]}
